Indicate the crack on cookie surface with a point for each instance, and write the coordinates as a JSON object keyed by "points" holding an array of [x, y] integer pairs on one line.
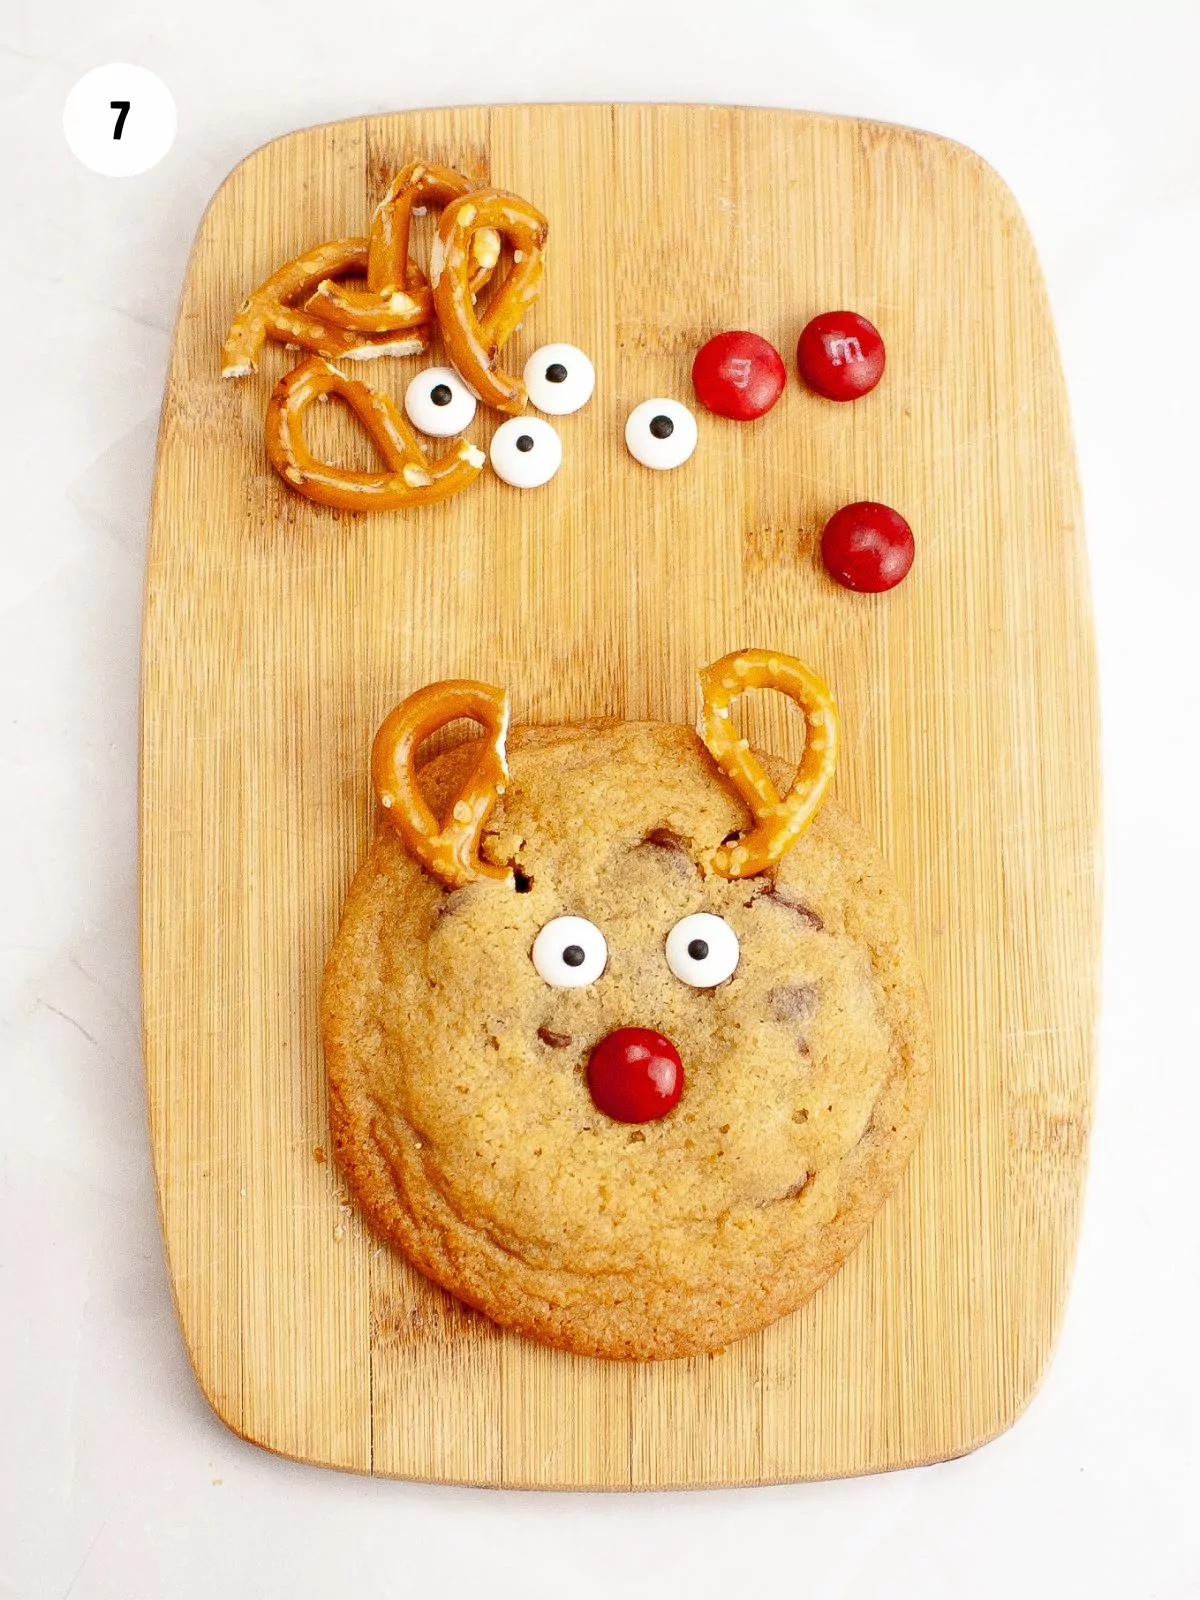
{"points": [[799, 1189], [787, 898]]}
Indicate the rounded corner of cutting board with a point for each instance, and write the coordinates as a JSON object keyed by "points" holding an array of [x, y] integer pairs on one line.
{"points": [[1015, 1406], [251, 1417], [244, 167], [932, 149]]}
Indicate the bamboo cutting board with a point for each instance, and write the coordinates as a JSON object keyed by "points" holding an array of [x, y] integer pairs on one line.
{"points": [[278, 634]]}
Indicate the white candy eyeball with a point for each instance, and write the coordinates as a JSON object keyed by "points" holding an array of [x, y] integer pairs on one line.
{"points": [[559, 379], [703, 950], [439, 403], [570, 952], [526, 452], [660, 434]]}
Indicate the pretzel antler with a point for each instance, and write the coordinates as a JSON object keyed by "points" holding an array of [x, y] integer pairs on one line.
{"points": [[411, 479], [397, 293], [777, 823], [448, 849], [473, 342]]}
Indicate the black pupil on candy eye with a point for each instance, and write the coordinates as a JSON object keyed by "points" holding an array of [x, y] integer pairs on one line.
{"points": [[524, 443], [556, 373], [573, 955], [661, 427], [440, 394], [698, 949]]}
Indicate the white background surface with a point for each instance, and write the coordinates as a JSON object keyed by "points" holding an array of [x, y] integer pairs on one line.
{"points": [[115, 1480]]}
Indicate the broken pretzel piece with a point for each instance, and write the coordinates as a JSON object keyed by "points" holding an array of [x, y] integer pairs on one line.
{"points": [[273, 311]]}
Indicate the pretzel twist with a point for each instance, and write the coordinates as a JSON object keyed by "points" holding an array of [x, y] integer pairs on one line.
{"points": [[449, 849], [273, 311], [473, 342], [397, 294], [777, 823], [410, 480]]}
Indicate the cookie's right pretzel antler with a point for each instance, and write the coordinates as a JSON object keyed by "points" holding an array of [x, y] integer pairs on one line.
{"points": [[448, 849], [777, 823]]}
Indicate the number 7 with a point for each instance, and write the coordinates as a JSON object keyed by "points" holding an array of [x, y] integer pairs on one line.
{"points": [[123, 107]]}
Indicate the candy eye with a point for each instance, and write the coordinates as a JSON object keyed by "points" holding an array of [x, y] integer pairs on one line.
{"points": [[703, 950], [559, 379], [570, 952], [660, 434], [526, 452], [439, 403]]}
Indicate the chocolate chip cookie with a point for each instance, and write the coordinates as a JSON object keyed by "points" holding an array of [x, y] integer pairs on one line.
{"points": [[767, 1036]]}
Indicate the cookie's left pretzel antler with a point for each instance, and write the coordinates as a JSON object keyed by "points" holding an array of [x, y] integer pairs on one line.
{"points": [[448, 849], [778, 823]]}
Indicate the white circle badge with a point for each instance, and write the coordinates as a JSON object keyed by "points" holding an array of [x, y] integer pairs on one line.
{"points": [[120, 120]]}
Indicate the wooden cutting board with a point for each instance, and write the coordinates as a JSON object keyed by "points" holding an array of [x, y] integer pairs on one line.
{"points": [[278, 634]]}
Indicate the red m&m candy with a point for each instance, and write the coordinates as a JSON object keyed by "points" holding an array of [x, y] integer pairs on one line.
{"points": [[867, 546], [738, 375], [635, 1075], [840, 355]]}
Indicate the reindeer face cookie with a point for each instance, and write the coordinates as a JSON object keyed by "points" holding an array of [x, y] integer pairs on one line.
{"points": [[622, 1050]]}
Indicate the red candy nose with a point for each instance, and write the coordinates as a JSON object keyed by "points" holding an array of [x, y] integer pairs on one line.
{"points": [[635, 1075]]}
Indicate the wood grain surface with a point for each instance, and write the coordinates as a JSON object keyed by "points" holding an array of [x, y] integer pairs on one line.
{"points": [[278, 634]]}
